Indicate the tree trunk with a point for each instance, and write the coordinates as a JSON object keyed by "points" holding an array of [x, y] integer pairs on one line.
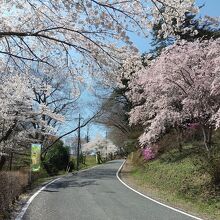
{"points": [[2, 161], [216, 176], [11, 160], [207, 138], [180, 145], [179, 135]]}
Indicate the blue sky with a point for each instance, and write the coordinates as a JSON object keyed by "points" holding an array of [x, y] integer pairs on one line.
{"points": [[211, 8]]}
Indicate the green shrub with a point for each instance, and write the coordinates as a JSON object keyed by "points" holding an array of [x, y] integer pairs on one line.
{"points": [[57, 158], [72, 165]]}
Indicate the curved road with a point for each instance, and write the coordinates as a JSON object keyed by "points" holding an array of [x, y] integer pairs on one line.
{"points": [[95, 194]]}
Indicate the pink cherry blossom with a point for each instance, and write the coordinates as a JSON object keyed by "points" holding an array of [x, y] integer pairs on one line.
{"points": [[181, 85]]}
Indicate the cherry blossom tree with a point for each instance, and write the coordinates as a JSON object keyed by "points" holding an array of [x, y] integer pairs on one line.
{"points": [[78, 34], [18, 112], [15, 112], [181, 86], [55, 92], [15, 106]]}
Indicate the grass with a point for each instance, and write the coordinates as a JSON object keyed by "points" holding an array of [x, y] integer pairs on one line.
{"points": [[90, 162], [179, 181]]}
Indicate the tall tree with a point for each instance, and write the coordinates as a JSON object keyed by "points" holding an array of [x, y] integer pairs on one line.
{"points": [[18, 112], [115, 109], [169, 86], [191, 29]]}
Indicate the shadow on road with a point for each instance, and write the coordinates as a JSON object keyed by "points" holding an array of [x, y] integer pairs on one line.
{"points": [[82, 179], [100, 173], [50, 190], [66, 183]]}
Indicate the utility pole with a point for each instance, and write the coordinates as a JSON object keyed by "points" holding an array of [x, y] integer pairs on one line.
{"points": [[79, 144], [106, 136], [87, 134]]}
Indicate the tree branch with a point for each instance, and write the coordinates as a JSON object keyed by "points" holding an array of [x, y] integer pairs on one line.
{"points": [[70, 132]]}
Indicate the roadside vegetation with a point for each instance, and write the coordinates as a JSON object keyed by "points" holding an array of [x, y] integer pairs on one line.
{"points": [[177, 179], [85, 162]]}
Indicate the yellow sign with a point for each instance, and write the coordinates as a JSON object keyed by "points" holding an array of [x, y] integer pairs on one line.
{"points": [[35, 157]]}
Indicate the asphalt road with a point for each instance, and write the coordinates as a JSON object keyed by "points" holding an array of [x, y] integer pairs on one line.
{"points": [[95, 194]]}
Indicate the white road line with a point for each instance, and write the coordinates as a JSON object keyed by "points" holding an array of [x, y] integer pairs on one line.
{"points": [[24, 209], [153, 200]]}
